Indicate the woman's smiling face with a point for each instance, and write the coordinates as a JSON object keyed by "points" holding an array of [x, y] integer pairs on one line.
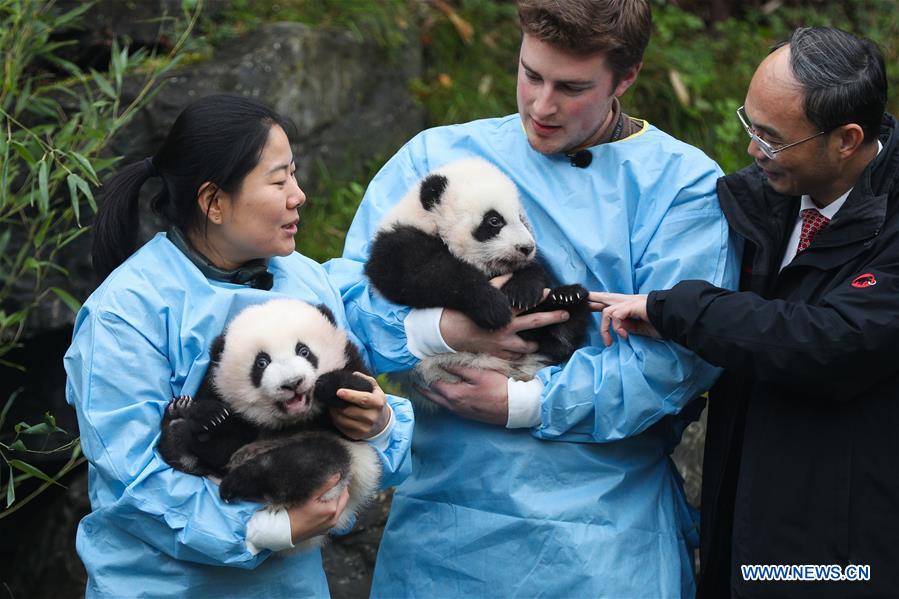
{"points": [[260, 219]]}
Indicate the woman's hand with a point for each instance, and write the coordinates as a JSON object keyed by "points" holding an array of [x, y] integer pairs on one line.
{"points": [[368, 414], [462, 334], [320, 513]]}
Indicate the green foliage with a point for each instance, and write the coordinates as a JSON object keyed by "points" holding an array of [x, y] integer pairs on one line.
{"points": [[55, 121], [714, 67], [327, 216], [385, 21], [471, 61]]}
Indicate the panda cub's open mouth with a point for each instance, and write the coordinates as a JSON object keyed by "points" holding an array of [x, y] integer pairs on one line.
{"points": [[297, 404]]}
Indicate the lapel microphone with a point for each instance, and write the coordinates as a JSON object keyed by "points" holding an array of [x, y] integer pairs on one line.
{"points": [[581, 158]]}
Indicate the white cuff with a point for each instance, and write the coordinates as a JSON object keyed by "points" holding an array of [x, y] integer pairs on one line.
{"points": [[268, 529], [524, 403], [381, 441], [423, 338]]}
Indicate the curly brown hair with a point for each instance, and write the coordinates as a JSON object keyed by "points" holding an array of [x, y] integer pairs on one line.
{"points": [[618, 28]]}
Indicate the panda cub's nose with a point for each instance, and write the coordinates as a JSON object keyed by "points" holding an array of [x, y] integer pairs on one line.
{"points": [[293, 384], [525, 249]]}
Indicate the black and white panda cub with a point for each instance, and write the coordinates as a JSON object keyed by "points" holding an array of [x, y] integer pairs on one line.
{"points": [[258, 421], [442, 243]]}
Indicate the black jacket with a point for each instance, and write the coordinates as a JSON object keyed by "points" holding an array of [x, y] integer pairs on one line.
{"points": [[802, 450]]}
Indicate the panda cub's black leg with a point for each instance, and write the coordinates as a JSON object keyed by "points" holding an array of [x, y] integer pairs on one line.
{"points": [[185, 419]]}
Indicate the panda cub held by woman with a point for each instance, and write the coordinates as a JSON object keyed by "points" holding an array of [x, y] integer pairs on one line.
{"points": [[462, 225], [259, 420]]}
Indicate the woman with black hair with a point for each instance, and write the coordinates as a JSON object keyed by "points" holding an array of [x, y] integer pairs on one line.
{"points": [[231, 201]]}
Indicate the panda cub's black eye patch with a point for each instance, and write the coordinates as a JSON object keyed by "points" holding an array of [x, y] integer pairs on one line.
{"points": [[490, 226], [304, 352], [259, 365]]}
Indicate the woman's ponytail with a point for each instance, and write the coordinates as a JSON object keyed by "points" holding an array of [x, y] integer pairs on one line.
{"points": [[118, 217]]}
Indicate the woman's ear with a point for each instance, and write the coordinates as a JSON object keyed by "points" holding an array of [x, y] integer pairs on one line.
{"points": [[209, 200]]}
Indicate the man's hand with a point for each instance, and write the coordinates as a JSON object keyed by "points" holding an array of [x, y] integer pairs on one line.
{"points": [[625, 314], [462, 334], [481, 395]]}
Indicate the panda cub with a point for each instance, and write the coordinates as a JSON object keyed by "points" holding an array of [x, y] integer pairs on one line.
{"points": [[462, 225], [258, 421]]}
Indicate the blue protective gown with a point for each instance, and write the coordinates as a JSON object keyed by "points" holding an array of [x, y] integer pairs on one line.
{"points": [[495, 512], [141, 338]]}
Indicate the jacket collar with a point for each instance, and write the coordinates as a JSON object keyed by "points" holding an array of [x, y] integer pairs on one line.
{"points": [[254, 273], [762, 216]]}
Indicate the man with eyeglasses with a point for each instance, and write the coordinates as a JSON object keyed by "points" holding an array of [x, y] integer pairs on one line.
{"points": [[802, 444]]}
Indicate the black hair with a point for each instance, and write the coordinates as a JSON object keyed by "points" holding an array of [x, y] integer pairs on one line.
{"points": [[217, 139], [843, 78]]}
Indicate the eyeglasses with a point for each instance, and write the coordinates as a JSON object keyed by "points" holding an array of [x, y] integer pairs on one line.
{"points": [[766, 148]]}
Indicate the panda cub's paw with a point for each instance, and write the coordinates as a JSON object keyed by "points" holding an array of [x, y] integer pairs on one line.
{"points": [[327, 385], [566, 296], [492, 311], [179, 407], [523, 292], [197, 416]]}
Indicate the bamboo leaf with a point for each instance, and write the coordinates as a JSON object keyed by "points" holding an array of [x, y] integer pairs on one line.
{"points": [[23, 151], [10, 490], [103, 84], [73, 196], [85, 191], [73, 304], [85, 164], [32, 471]]}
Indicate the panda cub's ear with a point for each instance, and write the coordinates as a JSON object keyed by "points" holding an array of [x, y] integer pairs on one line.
{"points": [[327, 312], [432, 188], [218, 346]]}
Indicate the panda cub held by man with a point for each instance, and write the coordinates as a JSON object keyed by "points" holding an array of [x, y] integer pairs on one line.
{"points": [[462, 225], [259, 420]]}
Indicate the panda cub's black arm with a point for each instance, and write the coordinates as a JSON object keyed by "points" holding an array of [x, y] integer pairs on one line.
{"points": [[525, 288], [327, 385], [413, 268]]}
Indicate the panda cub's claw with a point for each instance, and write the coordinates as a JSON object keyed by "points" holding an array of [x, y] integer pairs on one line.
{"points": [[178, 406], [217, 419], [567, 295]]}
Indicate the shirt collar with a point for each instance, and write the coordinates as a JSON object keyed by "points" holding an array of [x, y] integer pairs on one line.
{"points": [[254, 273], [831, 209]]}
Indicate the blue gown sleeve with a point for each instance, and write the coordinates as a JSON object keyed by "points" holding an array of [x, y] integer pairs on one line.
{"points": [[395, 456], [377, 322], [605, 394], [119, 384], [396, 461]]}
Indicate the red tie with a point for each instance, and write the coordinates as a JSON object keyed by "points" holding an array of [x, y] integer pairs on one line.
{"points": [[812, 223]]}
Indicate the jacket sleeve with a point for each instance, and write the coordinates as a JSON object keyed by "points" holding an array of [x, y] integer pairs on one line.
{"points": [[119, 384], [377, 322], [834, 349], [608, 393]]}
